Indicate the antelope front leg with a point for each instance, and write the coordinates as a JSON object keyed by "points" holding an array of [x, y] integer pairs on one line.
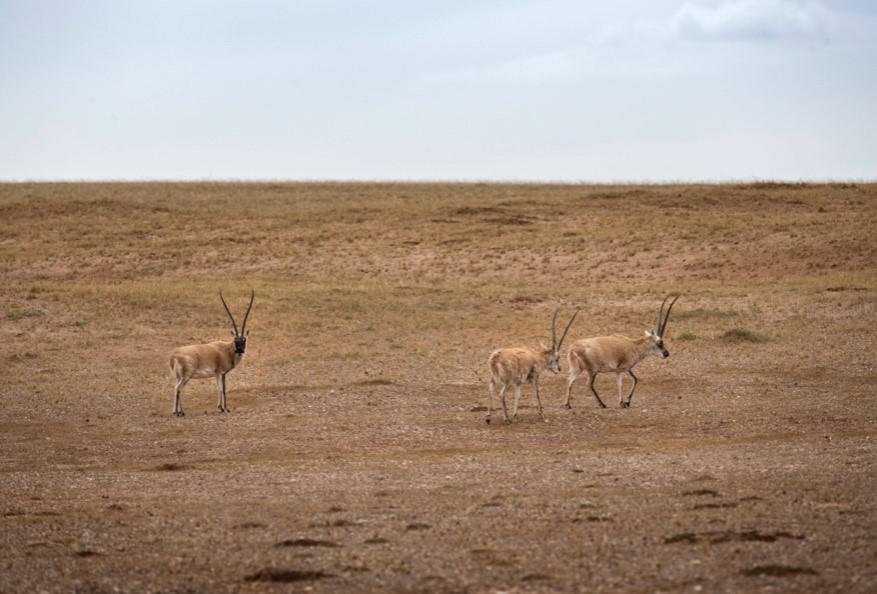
{"points": [[593, 391], [625, 403], [225, 396], [220, 384], [538, 400]]}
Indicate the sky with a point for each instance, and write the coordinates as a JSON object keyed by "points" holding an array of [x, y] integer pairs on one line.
{"points": [[628, 91]]}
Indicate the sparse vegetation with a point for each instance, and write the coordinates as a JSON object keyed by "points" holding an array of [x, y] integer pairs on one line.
{"points": [[745, 335], [358, 416], [20, 314]]}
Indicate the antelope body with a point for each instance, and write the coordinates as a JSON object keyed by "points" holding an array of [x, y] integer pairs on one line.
{"points": [[214, 359], [516, 366], [616, 354]]}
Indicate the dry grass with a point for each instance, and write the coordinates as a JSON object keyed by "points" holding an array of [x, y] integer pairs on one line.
{"points": [[357, 416]]}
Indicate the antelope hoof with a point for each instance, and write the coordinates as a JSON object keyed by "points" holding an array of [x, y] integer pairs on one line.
{"points": [[625, 404], [487, 420], [568, 406], [179, 414], [508, 421]]}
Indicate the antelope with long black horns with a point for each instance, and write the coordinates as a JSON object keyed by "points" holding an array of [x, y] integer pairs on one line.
{"points": [[516, 366], [616, 354], [214, 359]]}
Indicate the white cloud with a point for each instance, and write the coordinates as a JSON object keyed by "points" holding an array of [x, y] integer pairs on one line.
{"points": [[656, 46], [747, 19], [727, 21]]}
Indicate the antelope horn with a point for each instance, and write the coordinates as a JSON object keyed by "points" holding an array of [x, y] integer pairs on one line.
{"points": [[233, 323], [247, 315], [567, 327], [666, 315]]}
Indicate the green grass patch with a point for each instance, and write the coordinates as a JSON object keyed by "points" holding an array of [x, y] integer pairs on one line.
{"points": [[744, 335], [20, 314]]}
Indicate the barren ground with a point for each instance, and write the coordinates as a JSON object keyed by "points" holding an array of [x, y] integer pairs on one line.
{"points": [[356, 456]]}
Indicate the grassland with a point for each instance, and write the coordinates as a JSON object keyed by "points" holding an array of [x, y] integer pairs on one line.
{"points": [[356, 457]]}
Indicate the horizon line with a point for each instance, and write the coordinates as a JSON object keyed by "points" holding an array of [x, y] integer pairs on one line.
{"points": [[461, 181]]}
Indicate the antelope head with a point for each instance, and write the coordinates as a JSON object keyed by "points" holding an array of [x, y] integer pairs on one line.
{"points": [[554, 359], [240, 338], [658, 335]]}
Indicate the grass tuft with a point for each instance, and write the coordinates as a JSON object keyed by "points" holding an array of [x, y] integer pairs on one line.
{"points": [[20, 314], [744, 335]]}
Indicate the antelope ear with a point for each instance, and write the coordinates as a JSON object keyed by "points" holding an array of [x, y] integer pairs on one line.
{"points": [[247, 333], [650, 334], [233, 334]]}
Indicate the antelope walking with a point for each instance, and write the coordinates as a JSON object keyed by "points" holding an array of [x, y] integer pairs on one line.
{"points": [[616, 354], [211, 359], [520, 365]]}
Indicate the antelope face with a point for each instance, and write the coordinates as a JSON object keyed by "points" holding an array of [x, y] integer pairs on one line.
{"points": [[554, 362], [664, 352], [240, 345], [658, 347]]}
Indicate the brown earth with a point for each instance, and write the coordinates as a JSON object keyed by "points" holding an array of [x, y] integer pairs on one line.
{"points": [[356, 456]]}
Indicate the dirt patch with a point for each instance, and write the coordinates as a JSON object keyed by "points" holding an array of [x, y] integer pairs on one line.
{"points": [[306, 542], [778, 571], [721, 537], [286, 576]]}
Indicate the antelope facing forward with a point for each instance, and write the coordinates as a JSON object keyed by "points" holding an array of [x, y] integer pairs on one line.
{"points": [[616, 354], [520, 365], [214, 359]]}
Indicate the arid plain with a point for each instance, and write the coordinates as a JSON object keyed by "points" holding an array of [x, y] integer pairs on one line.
{"points": [[356, 456]]}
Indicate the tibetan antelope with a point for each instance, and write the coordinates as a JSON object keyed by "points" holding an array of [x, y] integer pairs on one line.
{"points": [[513, 367], [616, 354], [214, 359]]}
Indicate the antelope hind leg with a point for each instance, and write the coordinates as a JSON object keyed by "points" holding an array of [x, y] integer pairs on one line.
{"points": [[178, 398], [505, 410], [572, 378], [625, 402], [517, 399]]}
